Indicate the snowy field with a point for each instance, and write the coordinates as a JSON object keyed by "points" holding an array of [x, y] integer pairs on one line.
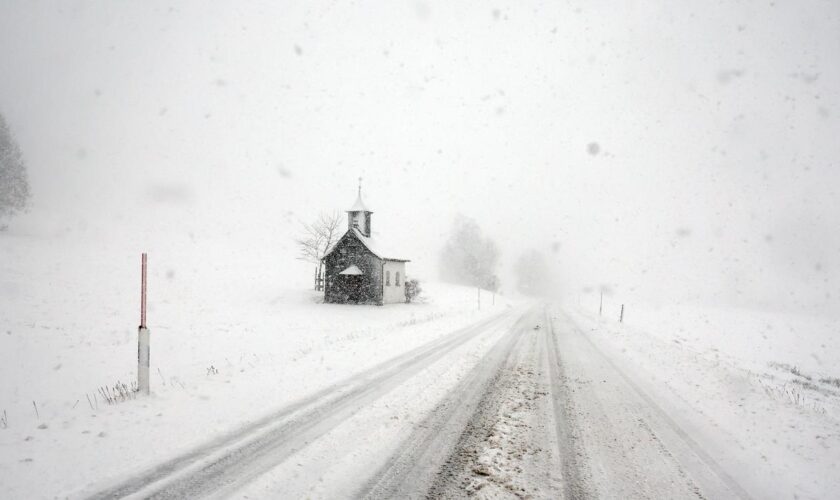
{"points": [[760, 389], [230, 343], [235, 338], [653, 151]]}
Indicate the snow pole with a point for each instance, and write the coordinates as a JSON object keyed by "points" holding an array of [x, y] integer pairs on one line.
{"points": [[143, 335], [621, 317]]}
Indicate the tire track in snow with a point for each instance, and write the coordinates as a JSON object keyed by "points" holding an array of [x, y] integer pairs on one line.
{"points": [[572, 455], [672, 439], [487, 437], [508, 450], [240, 456], [412, 472]]}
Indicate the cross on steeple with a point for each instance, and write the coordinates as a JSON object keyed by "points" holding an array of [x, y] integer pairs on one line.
{"points": [[360, 186]]}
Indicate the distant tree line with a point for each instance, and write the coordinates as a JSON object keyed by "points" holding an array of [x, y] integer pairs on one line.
{"points": [[535, 275]]}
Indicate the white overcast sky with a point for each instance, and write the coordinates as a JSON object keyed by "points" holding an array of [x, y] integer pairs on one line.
{"points": [[716, 175]]}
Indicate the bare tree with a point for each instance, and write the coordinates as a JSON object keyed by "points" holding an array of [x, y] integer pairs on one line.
{"points": [[468, 257], [317, 238]]}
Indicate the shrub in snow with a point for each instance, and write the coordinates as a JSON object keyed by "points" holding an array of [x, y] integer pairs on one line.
{"points": [[793, 393], [795, 371], [831, 381], [412, 291]]}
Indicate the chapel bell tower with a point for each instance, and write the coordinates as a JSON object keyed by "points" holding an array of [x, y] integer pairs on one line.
{"points": [[359, 216]]}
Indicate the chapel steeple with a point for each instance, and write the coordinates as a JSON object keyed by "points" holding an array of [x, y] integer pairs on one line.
{"points": [[359, 216]]}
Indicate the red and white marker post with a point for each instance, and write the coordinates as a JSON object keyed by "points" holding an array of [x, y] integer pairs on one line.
{"points": [[143, 336]]}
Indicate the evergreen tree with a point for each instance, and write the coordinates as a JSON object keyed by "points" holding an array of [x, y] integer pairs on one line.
{"points": [[14, 186]]}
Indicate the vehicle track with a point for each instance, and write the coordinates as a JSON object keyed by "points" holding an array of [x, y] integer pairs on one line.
{"points": [[508, 449], [706, 476], [242, 455], [488, 434], [412, 472], [547, 415], [576, 477]]}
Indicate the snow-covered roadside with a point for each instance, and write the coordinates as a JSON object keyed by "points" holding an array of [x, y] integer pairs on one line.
{"points": [[339, 463], [754, 389], [229, 344]]}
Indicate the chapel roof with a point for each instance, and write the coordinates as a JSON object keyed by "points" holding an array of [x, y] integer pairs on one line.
{"points": [[359, 206], [378, 247]]}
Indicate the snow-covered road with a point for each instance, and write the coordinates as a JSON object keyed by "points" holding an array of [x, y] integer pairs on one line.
{"points": [[548, 415], [522, 404]]}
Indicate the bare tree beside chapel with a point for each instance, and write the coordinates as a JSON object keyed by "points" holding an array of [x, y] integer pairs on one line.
{"points": [[317, 237]]}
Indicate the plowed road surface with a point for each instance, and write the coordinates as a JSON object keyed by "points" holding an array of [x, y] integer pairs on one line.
{"points": [[519, 405]]}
